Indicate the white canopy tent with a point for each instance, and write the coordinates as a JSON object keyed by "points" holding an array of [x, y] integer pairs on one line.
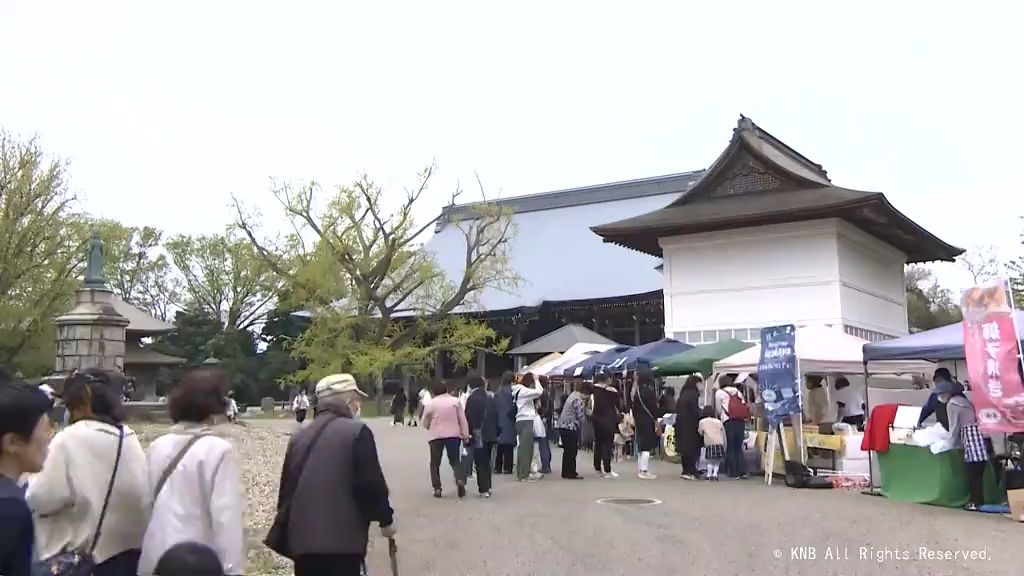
{"points": [[549, 359], [823, 350], [573, 355]]}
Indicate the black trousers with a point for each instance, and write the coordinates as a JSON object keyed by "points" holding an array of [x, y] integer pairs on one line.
{"points": [[124, 564], [604, 444], [690, 456], [452, 447], [503, 459], [329, 565], [976, 481], [300, 416], [570, 448], [482, 461]]}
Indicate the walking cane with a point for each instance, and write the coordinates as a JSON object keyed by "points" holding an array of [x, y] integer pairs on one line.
{"points": [[393, 553]]}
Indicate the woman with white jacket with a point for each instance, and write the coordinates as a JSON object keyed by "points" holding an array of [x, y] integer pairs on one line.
{"points": [[194, 478], [89, 483]]}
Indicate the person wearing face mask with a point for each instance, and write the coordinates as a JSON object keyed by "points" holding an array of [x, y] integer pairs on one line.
{"points": [[24, 435], [965, 434], [332, 487]]}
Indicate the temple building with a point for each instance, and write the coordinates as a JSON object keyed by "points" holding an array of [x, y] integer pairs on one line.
{"points": [[141, 363], [764, 238], [568, 275]]}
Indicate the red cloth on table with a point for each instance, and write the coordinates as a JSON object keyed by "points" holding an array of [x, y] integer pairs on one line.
{"points": [[876, 433]]}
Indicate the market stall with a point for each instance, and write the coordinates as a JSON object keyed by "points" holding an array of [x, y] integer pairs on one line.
{"points": [[549, 365], [625, 358], [700, 359], [825, 351], [914, 473]]}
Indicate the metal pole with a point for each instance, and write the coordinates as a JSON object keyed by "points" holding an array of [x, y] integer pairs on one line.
{"points": [[867, 400]]}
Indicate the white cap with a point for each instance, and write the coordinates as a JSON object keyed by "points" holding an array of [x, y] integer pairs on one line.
{"points": [[336, 384]]}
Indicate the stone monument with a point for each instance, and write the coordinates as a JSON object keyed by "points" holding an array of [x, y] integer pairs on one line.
{"points": [[92, 333]]}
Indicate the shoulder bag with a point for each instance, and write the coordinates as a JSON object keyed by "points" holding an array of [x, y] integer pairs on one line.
{"points": [[173, 464], [277, 536], [82, 562]]}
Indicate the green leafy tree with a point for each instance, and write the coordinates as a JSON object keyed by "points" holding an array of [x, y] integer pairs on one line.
{"points": [[223, 276], [378, 299], [929, 305], [41, 249], [1015, 268], [137, 270]]}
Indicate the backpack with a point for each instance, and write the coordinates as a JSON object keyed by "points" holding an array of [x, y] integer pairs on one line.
{"points": [[737, 408]]}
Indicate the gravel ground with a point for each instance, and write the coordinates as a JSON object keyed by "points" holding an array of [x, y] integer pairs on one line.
{"points": [[556, 527]]}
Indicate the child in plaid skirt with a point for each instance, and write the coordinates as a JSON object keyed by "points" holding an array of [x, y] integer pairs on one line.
{"points": [[712, 432], [963, 427]]}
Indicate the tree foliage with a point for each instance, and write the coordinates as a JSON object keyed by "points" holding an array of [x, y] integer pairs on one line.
{"points": [[41, 249], [223, 276], [138, 272], [379, 300], [1015, 270], [982, 263], [929, 305]]}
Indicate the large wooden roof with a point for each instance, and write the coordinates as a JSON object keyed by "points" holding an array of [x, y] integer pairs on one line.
{"points": [[758, 180]]}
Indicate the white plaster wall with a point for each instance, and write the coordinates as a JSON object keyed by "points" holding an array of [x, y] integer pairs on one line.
{"points": [[818, 272], [752, 277], [872, 291]]}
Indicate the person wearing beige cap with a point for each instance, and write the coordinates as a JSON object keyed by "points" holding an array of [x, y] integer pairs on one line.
{"points": [[332, 487]]}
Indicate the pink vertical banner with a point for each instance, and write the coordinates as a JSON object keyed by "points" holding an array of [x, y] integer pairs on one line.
{"points": [[992, 349]]}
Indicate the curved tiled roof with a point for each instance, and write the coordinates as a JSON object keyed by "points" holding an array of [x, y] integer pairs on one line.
{"points": [[757, 181]]}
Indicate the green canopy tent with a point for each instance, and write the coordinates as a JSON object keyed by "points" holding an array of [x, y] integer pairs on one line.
{"points": [[699, 359]]}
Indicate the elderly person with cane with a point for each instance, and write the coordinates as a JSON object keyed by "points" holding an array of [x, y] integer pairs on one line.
{"points": [[332, 487]]}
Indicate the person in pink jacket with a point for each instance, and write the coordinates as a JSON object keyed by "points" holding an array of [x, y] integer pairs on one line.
{"points": [[445, 421]]}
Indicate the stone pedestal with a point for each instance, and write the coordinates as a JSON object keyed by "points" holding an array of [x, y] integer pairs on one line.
{"points": [[92, 334]]}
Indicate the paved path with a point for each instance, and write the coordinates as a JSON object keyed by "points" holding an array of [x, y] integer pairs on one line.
{"points": [[732, 527]]}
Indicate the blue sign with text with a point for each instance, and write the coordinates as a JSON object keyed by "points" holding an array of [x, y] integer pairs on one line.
{"points": [[776, 373]]}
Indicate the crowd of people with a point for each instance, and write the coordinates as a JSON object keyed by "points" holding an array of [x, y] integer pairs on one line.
{"points": [[510, 430], [89, 499]]}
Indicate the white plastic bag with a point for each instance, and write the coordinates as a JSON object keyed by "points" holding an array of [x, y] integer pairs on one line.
{"points": [[538, 428]]}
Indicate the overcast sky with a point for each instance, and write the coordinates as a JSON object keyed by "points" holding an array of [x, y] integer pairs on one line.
{"points": [[166, 109]]}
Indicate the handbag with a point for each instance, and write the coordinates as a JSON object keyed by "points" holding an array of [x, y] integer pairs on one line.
{"points": [[277, 536], [82, 562]]}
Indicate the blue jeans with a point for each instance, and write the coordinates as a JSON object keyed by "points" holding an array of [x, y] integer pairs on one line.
{"points": [[735, 431], [544, 446]]}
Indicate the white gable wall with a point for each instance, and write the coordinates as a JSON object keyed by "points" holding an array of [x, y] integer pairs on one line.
{"points": [[730, 283], [873, 294]]}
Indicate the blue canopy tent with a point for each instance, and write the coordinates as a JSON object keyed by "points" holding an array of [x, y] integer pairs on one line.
{"points": [[585, 368], [944, 343], [622, 358]]}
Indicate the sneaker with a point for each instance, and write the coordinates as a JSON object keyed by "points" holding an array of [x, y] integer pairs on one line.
{"points": [[687, 476], [462, 491], [646, 476], [485, 494], [534, 477], [613, 474], [971, 507], [437, 493]]}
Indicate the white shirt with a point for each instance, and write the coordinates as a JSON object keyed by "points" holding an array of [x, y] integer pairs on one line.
{"points": [[202, 500], [852, 400], [301, 402], [425, 398], [66, 497], [524, 397]]}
